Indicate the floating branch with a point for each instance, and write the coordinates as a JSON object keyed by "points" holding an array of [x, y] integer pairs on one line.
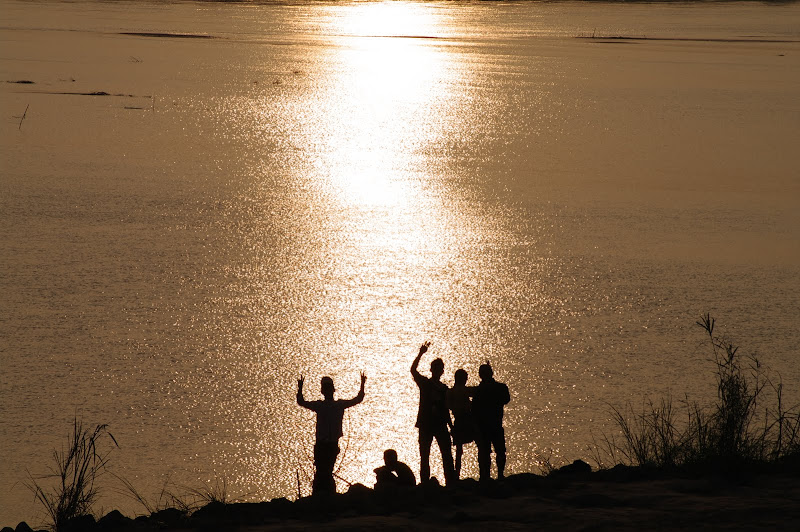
{"points": [[682, 39], [23, 116], [168, 35], [93, 93]]}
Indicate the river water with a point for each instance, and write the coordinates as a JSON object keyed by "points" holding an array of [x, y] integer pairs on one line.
{"points": [[276, 189]]}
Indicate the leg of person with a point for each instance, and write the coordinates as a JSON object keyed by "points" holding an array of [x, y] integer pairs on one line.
{"points": [[459, 454], [443, 439], [325, 454], [384, 478], [425, 439], [500, 452], [484, 457]]}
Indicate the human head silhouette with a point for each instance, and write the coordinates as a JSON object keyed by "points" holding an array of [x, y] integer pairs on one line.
{"points": [[326, 387], [390, 457], [485, 371], [460, 376], [437, 368]]}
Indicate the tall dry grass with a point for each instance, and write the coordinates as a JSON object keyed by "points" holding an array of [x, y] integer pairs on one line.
{"points": [[76, 468], [748, 421]]}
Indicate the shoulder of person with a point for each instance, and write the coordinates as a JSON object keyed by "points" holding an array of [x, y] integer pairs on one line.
{"points": [[501, 387]]}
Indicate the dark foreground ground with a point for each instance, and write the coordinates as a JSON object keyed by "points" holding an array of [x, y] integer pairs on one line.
{"points": [[617, 499]]}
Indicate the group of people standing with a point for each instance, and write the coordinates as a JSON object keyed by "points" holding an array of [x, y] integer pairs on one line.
{"points": [[477, 415]]}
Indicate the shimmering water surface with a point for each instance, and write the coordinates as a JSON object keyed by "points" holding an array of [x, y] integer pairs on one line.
{"points": [[317, 188]]}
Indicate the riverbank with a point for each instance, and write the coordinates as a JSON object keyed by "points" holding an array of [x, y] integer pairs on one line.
{"points": [[622, 498]]}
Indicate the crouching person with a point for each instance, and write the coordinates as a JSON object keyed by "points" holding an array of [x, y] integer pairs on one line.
{"points": [[393, 473]]}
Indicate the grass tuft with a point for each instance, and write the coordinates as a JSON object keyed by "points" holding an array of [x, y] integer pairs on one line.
{"points": [[744, 425], [76, 469]]}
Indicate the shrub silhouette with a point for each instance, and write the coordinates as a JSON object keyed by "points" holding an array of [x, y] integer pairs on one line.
{"points": [[76, 467], [733, 431]]}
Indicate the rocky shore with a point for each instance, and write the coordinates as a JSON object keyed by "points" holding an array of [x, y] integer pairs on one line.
{"points": [[572, 498]]}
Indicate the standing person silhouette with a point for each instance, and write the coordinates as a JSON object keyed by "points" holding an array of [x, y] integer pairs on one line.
{"points": [[489, 398], [433, 417], [463, 428], [330, 413]]}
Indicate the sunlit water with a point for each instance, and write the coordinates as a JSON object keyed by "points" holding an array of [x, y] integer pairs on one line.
{"points": [[320, 187]]}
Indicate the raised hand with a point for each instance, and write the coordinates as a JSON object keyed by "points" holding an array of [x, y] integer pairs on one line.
{"points": [[300, 383], [363, 378], [424, 347]]}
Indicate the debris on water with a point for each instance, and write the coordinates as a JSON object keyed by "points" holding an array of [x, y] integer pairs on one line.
{"points": [[168, 35]]}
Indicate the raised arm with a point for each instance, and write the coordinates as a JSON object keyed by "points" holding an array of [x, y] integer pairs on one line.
{"points": [[300, 399], [422, 350], [360, 397]]}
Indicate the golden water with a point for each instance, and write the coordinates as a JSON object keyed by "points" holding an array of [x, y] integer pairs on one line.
{"points": [[321, 187]]}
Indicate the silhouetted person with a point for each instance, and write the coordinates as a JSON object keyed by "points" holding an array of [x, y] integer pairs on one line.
{"points": [[463, 429], [329, 429], [488, 401], [393, 473], [433, 417]]}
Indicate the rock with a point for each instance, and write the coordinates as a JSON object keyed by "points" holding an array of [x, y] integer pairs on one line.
{"points": [[169, 517], [319, 507], [82, 523], [524, 481], [280, 508], [252, 513], [359, 499], [576, 468], [359, 490], [495, 489], [212, 513], [620, 473], [113, 520]]}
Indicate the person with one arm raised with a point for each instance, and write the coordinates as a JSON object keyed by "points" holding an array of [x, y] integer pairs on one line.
{"points": [[433, 417]]}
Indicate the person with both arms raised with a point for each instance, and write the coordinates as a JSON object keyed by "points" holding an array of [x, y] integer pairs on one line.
{"points": [[329, 429]]}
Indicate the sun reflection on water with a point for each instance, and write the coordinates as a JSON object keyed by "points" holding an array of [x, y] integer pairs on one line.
{"points": [[380, 104], [378, 99], [361, 236]]}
